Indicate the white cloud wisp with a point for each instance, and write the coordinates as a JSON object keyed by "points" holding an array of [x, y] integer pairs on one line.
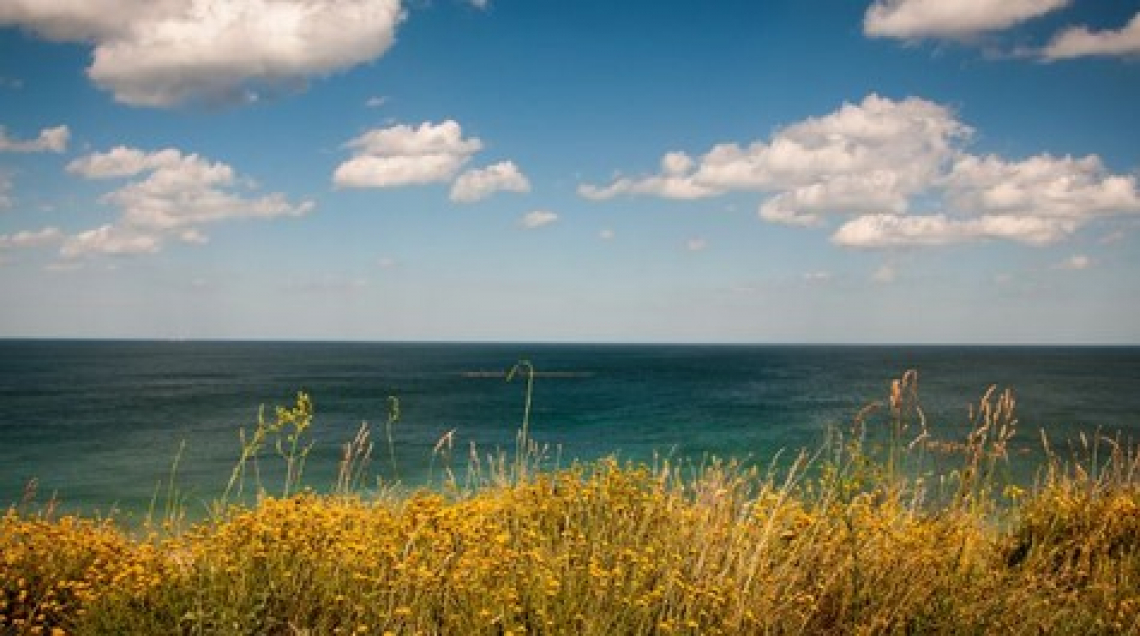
{"points": [[30, 238], [49, 140], [957, 20], [1081, 42], [537, 218]]}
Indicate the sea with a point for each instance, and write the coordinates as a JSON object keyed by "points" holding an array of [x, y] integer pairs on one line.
{"points": [[110, 427]]}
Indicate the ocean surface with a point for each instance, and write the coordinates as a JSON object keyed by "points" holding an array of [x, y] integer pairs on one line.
{"points": [[98, 424]]}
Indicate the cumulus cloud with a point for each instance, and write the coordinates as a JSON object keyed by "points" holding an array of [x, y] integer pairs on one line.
{"points": [[49, 140], [1043, 185], [172, 195], [166, 52], [537, 218], [121, 161], [475, 185], [960, 19], [1080, 42], [896, 173], [403, 155], [872, 155]]}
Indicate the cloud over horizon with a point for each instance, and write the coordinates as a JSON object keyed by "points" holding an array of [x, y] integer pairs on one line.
{"points": [[172, 195]]}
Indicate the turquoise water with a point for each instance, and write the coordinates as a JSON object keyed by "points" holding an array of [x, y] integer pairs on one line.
{"points": [[99, 423]]}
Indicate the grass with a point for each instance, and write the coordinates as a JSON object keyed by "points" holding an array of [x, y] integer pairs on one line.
{"points": [[859, 537]]}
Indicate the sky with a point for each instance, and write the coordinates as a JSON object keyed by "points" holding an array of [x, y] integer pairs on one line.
{"points": [[786, 171]]}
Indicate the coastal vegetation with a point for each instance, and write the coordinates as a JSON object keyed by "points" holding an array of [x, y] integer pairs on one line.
{"points": [[886, 528]]}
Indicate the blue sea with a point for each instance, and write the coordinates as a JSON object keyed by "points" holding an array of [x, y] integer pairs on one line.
{"points": [[98, 424]]}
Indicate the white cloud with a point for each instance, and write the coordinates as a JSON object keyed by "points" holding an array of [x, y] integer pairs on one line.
{"points": [[121, 161], [28, 238], [674, 182], [49, 140], [896, 172], [194, 236], [109, 240], [112, 240], [1075, 262], [166, 52], [957, 19], [376, 102], [89, 21], [804, 205], [1080, 42], [475, 185], [387, 262], [870, 155], [402, 156], [1043, 185], [817, 277], [173, 195], [606, 234], [696, 244], [480, 4], [888, 230], [537, 218], [426, 139]]}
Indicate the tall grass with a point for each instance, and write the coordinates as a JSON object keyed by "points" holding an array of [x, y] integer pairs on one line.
{"points": [[858, 537]]}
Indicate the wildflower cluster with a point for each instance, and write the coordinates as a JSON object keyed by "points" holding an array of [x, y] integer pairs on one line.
{"points": [[844, 544], [52, 570]]}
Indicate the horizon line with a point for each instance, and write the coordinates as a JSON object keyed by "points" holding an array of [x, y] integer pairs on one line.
{"points": [[549, 342]]}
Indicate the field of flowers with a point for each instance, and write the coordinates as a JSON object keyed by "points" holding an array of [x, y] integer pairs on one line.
{"points": [[852, 539]]}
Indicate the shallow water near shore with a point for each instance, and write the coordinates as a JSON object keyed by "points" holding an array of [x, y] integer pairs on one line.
{"points": [[99, 423]]}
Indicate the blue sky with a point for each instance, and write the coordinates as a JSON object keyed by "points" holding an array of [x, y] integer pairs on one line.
{"points": [[521, 170]]}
